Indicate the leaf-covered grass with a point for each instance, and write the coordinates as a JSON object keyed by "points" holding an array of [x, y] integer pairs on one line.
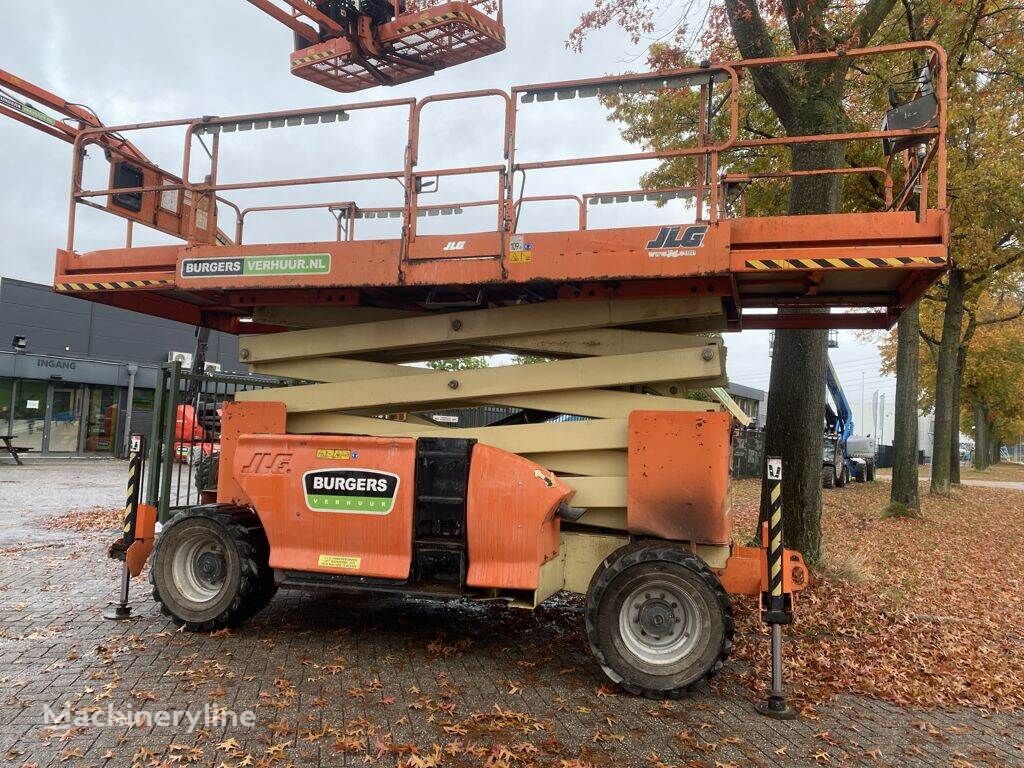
{"points": [[1004, 471], [922, 612]]}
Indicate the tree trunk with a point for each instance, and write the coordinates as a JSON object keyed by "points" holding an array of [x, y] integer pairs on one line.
{"points": [[945, 381], [997, 442], [954, 418], [904, 488], [981, 441], [794, 432], [794, 428]]}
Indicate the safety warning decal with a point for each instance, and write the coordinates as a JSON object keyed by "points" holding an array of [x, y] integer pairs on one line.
{"points": [[337, 454], [351, 491], [258, 266], [341, 563], [519, 251]]}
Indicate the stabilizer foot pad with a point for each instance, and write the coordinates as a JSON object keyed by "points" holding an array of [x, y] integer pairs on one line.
{"points": [[776, 708], [118, 612]]}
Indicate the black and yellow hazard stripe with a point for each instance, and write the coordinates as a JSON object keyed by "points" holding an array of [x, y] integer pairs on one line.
{"points": [[475, 22], [131, 504], [776, 604], [775, 549], [116, 285], [843, 263], [314, 57]]}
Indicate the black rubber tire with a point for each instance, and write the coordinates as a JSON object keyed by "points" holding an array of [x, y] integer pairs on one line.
{"points": [[862, 476], [621, 572], [871, 472], [249, 581], [828, 477], [206, 471]]}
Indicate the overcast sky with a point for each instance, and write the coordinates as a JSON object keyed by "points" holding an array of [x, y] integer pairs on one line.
{"points": [[142, 60]]}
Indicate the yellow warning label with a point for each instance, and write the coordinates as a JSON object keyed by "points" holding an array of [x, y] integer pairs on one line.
{"points": [[345, 563], [520, 257], [341, 455]]}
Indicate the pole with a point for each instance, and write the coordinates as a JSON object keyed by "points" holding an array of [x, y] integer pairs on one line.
{"points": [[863, 413], [121, 610], [776, 604], [881, 425], [133, 369]]}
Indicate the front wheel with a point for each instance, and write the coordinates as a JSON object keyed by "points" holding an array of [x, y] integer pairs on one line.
{"points": [[658, 620], [211, 567]]}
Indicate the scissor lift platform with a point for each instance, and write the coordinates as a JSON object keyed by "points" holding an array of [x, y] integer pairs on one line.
{"points": [[749, 264], [875, 261]]}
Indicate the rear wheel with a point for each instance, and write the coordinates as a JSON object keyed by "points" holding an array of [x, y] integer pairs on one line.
{"points": [[658, 620], [828, 477], [211, 568]]}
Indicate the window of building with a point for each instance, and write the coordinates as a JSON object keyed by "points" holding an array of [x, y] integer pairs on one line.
{"points": [[6, 404], [30, 414], [142, 399]]}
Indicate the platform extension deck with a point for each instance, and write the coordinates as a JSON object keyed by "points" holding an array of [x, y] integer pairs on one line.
{"points": [[877, 260]]}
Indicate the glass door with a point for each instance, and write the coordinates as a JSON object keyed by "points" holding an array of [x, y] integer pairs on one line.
{"points": [[65, 419], [102, 420]]}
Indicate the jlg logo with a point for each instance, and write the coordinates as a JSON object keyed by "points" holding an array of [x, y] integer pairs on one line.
{"points": [[268, 464], [669, 237], [456, 245]]}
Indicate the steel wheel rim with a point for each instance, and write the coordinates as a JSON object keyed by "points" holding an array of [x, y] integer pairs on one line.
{"points": [[659, 622], [199, 567]]}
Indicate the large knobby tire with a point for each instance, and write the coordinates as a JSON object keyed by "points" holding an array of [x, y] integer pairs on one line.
{"points": [[828, 477], [871, 472], [211, 568], [207, 468], [658, 620]]}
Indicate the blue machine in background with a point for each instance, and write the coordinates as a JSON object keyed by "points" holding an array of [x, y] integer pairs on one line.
{"points": [[844, 456]]}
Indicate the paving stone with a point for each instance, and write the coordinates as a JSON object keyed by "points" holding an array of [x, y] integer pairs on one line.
{"points": [[396, 672]]}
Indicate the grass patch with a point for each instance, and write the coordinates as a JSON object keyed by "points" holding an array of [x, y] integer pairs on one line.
{"points": [[852, 568], [899, 509]]}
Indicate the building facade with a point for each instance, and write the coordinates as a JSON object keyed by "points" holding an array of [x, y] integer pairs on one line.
{"points": [[84, 376], [753, 402]]}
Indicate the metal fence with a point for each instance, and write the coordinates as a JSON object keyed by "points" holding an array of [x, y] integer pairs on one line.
{"points": [[747, 452], [184, 439]]}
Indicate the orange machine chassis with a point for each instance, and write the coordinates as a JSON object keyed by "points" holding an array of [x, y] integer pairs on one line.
{"points": [[880, 260], [512, 525]]}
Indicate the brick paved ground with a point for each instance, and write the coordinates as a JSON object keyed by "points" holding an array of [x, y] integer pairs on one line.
{"points": [[341, 681]]}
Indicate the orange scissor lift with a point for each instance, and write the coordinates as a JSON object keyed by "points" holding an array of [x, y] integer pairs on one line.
{"points": [[611, 479]]}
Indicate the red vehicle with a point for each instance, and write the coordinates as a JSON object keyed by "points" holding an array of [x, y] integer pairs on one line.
{"points": [[192, 440]]}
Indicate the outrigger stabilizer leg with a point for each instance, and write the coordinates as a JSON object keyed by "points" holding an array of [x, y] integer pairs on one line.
{"points": [[136, 541], [777, 602]]}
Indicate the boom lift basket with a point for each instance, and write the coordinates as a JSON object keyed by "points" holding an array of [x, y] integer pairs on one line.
{"points": [[409, 47]]}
